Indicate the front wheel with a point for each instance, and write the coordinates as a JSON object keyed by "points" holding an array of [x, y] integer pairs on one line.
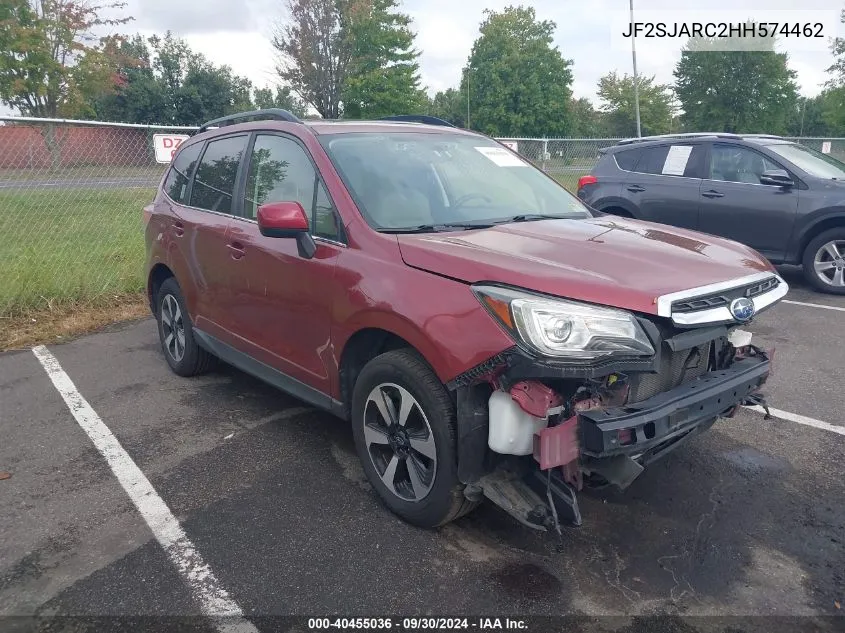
{"points": [[403, 422], [824, 261]]}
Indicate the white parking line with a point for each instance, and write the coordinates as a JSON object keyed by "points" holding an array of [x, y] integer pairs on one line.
{"points": [[812, 305], [800, 419], [212, 598]]}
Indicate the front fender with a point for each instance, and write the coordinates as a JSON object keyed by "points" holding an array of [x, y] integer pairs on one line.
{"points": [[440, 317]]}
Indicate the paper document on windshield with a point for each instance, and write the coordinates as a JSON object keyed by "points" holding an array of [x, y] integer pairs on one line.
{"points": [[502, 157], [676, 160]]}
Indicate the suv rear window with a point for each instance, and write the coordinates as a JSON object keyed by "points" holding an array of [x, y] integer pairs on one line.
{"points": [[180, 172]]}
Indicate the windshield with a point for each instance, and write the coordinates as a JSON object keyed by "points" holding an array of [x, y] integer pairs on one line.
{"points": [[425, 182], [813, 162]]}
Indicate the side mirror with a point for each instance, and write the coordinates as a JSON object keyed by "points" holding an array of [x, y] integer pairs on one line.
{"points": [[287, 219], [777, 178]]}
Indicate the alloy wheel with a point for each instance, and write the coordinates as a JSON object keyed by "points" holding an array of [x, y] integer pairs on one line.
{"points": [[829, 263], [399, 442], [173, 327]]}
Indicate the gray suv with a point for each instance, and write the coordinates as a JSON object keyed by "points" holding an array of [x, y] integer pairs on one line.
{"points": [[783, 199]]}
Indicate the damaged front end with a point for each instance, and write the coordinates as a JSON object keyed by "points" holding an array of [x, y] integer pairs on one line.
{"points": [[533, 430]]}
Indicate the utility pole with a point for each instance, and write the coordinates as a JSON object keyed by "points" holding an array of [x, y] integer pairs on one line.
{"points": [[803, 105], [636, 79], [469, 68]]}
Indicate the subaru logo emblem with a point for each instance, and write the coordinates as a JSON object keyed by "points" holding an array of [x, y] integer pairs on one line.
{"points": [[742, 309]]}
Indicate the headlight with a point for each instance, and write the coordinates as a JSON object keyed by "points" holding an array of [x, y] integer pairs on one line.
{"points": [[565, 329]]}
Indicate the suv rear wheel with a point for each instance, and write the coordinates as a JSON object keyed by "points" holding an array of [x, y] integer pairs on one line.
{"points": [[824, 261], [176, 333], [403, 421]]}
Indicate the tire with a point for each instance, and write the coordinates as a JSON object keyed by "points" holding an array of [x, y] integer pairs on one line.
{"points": [[818, 251], [170, 309], [436, 497]]}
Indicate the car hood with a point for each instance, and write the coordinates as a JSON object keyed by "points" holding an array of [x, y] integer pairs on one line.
{"points": [[605, 260]]}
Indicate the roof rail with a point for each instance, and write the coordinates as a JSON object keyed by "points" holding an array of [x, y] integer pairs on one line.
{"points": [[417, 118], [661, 137], [761, 136], [271, 113]]}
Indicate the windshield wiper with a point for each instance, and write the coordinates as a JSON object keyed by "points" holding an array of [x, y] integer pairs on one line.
{"points": [[531, 217], [437, 228]]}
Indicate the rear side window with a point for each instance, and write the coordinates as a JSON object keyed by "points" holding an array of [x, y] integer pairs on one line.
{"points": [[180, 172], [652, 160], [214, 183], [627, 160], [672, 160]]}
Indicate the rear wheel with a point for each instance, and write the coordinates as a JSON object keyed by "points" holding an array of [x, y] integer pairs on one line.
{"points": [[403, 421], [824, 261], [176, 333]]}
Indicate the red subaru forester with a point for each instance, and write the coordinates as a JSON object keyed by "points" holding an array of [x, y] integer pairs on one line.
{"points": [[485, 333]]}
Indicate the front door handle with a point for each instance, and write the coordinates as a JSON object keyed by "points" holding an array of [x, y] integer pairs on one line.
{"points": [[178, 229], [713, 194], [236, 250], [636, 188]]}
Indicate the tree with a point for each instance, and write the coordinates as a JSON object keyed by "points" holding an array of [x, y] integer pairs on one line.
{"points": [[41, 45], [350, 57], [138, 96], [519, 83], [383, 73], [587, 122], [832, 103], [314, 53], [750, 91], [449, 105], [618, 105], [283, 98], [161, 80], [210, 91], [837, 69], [816, 116]]}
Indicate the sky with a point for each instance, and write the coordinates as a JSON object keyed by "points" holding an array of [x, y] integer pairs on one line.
{"points": [[588, 32], [238, 33]]}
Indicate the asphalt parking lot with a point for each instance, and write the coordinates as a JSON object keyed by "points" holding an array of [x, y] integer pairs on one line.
{"points": [[748, 519]]}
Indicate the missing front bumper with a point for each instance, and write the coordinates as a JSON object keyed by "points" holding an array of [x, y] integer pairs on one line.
{"points": [[647, 426]]}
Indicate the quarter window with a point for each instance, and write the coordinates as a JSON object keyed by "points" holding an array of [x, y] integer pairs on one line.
{"points": [[280, 171], [627, 160], [176, 183], [214, 183]]}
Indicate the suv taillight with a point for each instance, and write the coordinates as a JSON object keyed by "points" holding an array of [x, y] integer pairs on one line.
{"points": [[587, 180]]}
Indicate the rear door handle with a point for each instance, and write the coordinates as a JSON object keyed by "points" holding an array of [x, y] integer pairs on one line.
{"points": [[635, 188], [178, 229], [713, 194], [236, 250]]}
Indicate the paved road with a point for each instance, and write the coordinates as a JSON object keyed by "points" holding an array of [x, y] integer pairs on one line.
{"points": [[748, 519]]}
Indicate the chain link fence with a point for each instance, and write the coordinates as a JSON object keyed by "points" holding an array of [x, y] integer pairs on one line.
{"points": [[71, 195], [70, 210]]}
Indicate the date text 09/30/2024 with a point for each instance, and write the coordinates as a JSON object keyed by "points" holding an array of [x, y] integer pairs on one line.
{"points": [[418, 624]]}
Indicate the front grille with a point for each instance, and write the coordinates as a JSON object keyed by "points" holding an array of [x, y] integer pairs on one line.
{"points": [[719, 299], [675, 369]]}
